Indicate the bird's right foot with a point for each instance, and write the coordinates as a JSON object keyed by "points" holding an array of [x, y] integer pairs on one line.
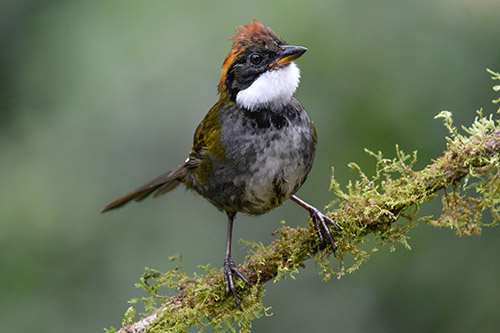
{"points": [[230, 270]]}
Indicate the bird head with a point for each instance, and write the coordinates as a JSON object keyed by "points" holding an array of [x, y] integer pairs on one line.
{"points": [[260, 71]]}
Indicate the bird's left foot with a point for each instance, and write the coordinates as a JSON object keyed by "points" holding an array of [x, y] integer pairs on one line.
{"points": [[321, 224], [230, 270]]}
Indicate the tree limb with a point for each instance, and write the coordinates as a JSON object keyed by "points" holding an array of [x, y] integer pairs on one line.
{"points": [[369, 206]]}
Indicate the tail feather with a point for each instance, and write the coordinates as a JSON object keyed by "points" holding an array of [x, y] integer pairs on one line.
{"points": [[162, 184]]}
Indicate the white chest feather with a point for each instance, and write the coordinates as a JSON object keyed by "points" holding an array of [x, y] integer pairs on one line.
{"points": [[272, 88]]}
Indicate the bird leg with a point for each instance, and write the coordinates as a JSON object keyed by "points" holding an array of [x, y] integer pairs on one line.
{"points": [[230, 268], [321, 222]]}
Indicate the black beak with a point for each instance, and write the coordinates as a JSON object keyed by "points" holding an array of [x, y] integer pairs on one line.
{"points": [[289, 54]]}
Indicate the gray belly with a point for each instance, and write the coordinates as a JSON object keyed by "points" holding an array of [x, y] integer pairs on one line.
{"points": [[280, 164], [264, 166]]}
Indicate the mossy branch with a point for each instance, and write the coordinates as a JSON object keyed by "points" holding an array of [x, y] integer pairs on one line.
{"points": [[467, 176]]}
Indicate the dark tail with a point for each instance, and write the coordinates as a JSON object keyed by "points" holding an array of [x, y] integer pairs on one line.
{"points": [[161, 184]]}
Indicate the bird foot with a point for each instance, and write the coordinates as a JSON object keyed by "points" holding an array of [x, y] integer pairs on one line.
{"points": [[321, 225], [230, 270], [321, 222]]}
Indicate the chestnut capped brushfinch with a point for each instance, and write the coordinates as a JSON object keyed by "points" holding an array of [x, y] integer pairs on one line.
{"points": [[256, 145]]}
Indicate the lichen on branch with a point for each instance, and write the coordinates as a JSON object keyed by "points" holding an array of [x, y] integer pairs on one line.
{"points": [[383, 207]]}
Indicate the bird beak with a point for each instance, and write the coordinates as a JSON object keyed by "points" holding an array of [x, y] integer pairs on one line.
{"points": [[289, 54]]}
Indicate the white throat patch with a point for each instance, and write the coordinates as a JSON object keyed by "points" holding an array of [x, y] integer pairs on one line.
{"points": [[274, 87]]}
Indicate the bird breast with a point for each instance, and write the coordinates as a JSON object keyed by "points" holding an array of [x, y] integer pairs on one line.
{"points": [[269, 153]]}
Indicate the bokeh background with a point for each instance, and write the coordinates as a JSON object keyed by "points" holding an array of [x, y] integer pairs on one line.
{"points": [[98, 97]]}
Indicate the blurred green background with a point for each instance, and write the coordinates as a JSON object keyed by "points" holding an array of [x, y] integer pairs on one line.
{"points": [[98, 97]]}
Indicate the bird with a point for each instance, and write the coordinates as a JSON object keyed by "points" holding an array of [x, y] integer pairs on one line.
{"points": [[255, 147]]}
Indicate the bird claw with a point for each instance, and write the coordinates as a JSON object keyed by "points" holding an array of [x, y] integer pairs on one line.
{"points": [[321, 222], [230, 270]]}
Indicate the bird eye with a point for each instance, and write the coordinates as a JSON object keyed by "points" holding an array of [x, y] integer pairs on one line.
{"points": [[256, 58]]}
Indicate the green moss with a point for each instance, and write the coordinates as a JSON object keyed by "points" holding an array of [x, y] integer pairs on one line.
{"points": [[372, 212], [495, 76]]}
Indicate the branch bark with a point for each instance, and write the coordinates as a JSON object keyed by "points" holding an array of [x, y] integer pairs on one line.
{"points": [[366, 209]]}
